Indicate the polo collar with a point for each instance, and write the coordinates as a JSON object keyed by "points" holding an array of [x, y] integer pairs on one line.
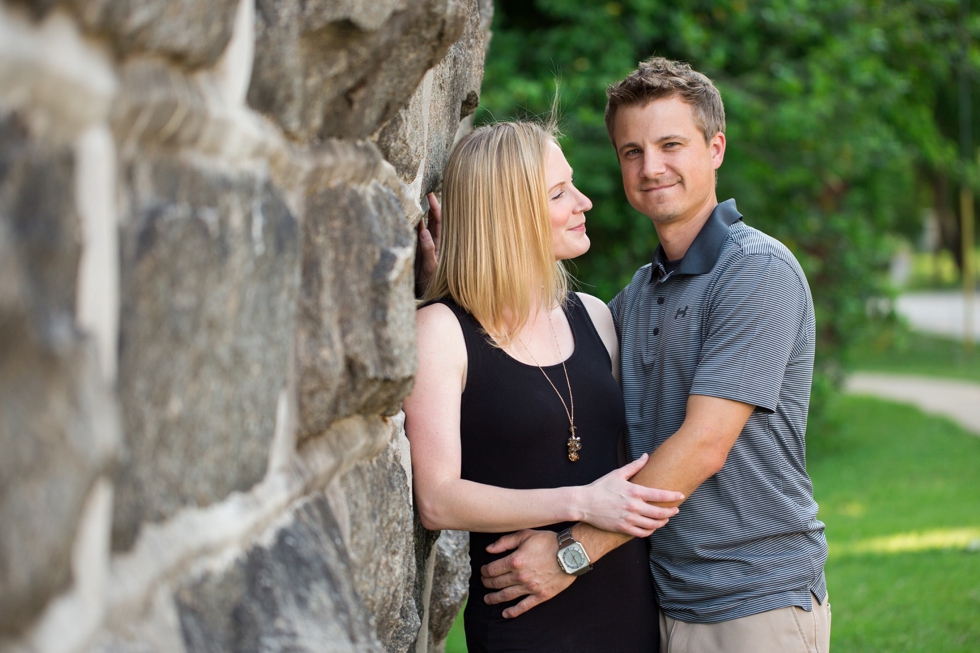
{"points": [[703, 252]]}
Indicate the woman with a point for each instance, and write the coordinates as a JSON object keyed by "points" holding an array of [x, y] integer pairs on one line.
{"points": [[515, 419]]}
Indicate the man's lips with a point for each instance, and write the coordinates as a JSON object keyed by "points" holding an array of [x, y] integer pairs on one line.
{"points": [[657, 187]]}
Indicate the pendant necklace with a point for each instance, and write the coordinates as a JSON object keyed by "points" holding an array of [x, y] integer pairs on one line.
{"points": [[574, 442]]}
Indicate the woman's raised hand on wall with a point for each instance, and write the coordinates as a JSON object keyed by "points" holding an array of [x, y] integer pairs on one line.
{"points": [[427, 246]]}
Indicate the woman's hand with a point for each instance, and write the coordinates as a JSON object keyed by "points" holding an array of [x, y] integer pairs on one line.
{"points": [[427, 247], [614, 504]]}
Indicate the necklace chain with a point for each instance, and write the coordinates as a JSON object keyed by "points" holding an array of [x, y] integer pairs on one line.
{"points": [[574, 442]]}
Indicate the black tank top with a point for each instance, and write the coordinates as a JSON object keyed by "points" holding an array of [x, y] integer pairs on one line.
{"points": [[514, 433]]}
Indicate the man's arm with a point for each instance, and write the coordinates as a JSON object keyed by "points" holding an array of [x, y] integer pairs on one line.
{"points": [[694, 453]]}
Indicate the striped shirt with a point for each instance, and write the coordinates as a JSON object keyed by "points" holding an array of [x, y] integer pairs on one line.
{"points": [[732, 319]]}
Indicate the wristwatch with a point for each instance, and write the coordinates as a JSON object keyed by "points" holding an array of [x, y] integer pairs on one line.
{"points": [[572, 557]]}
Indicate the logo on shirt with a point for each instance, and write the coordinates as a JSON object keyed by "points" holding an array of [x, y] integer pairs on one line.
{"points": [[681, 312]]}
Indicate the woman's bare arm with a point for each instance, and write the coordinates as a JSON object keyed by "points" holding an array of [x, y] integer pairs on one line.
{"points": [[445, 501], [603, 321]]}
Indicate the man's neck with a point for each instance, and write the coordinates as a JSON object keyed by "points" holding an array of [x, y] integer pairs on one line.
{"points": [[676, 236]]}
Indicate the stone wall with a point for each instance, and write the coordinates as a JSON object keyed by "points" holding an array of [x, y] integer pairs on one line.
{"points": [[207, 321]]}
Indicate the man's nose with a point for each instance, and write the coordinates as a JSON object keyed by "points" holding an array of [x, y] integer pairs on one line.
{"points": [[653, 164]]}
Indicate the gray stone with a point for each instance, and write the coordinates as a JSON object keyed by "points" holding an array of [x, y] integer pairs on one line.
{"points": [[426, 128], [58, 423], [450, 585], [381, 547], [157, 105], [193, 32], [326, 69], [210, 277], [356, 330], [293, 594]]}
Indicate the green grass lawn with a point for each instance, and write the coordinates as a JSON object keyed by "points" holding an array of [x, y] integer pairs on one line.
{"points": [[914, 353], [900, 494]]}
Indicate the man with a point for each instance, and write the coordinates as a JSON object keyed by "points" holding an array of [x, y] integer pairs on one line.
{"points": [[717, 338]]}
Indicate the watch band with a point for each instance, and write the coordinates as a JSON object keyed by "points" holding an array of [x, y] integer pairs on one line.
{"points": [[565, 538]]}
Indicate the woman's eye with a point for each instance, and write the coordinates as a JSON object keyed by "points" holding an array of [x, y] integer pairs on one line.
{"points": [[560, 193]]}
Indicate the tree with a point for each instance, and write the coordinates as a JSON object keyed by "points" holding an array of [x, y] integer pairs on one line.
{"points": [[836, 123]]}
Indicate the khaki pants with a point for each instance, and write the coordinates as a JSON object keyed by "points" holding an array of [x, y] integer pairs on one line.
{"points": [[786, 630]]}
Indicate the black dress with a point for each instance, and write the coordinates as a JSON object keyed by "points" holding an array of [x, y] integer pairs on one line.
{"points": [[514, 431]]}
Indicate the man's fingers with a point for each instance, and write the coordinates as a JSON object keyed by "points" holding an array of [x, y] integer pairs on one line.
{"points": [[508, 542], [498, 567], [501, 581], [523, 606], [505, 595]]}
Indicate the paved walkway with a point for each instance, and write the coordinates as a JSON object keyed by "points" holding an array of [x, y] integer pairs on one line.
{"points": [[957, 400], [938, 312]]}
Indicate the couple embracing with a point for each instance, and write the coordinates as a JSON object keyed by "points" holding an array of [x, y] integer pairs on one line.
{"points": [[529, 398]]}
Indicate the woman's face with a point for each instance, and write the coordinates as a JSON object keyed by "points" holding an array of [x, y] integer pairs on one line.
{"points": [[567, 206]]}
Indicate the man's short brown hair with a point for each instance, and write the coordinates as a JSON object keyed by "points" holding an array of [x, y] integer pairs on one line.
{"points": [[658, 78]]}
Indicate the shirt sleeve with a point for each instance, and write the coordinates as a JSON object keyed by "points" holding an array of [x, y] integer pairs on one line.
{"points": [[615, 307], [756, 319]]}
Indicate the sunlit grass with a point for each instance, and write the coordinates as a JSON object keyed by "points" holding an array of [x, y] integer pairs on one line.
{"points": [[900, 494], [898, 352], [956, 538]]}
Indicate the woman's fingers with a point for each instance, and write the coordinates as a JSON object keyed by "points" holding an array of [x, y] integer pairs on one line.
{"points": [[649, 511], [630, 469], [435, 218], [654, 495]]}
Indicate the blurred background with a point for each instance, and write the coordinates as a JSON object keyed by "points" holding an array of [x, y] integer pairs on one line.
{"points": [[851, 139]]}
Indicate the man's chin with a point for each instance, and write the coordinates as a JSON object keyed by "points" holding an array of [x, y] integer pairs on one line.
{"points": [[662, 216]]}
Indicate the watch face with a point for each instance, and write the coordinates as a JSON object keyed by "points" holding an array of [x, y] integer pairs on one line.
{"points": [[573, 557]]}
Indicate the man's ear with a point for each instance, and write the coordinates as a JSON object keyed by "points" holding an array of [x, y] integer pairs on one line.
{"points": [[717, 147]]}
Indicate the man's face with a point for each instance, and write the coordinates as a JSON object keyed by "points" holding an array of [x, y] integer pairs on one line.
{"points": [[668, 169]]}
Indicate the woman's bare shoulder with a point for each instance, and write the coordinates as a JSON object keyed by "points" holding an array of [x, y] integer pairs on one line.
{"points": [[439, 330], [597, 308]]}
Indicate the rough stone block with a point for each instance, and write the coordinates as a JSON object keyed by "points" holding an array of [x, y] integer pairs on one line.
{"points": [[58, 423], [194, 32], [326, 69], [210, 276], [356, 330], [450, 585], [294, 592], [425, 129], [381, 547]]}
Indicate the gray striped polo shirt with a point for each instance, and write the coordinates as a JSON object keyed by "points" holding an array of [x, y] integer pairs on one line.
{"points": [[733, 319]]}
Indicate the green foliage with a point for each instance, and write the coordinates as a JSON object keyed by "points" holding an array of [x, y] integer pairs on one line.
{"points": [[833, 114]]}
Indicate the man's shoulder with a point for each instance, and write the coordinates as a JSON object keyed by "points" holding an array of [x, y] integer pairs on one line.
{"points": [[748, 242], [640, 277]]}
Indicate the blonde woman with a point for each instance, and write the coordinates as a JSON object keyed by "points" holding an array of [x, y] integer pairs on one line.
{"points": [[516, 417]]}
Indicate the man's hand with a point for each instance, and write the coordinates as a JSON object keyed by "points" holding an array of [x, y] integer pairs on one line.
{"points": [[531, 570], [427, 249]]}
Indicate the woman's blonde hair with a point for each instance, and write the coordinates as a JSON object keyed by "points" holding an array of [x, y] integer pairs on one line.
{"points": [[496, 258]]}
